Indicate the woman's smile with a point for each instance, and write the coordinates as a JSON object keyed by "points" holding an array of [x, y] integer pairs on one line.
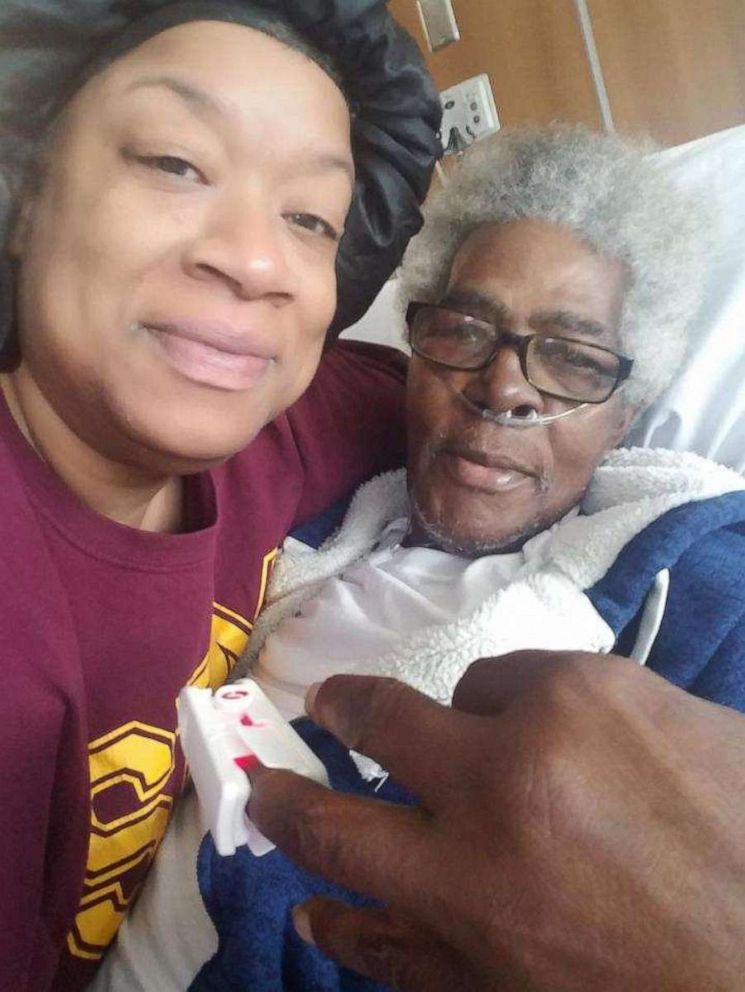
{"points": [[210, 354]]}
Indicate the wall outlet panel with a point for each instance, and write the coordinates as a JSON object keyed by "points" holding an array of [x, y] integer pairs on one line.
{"points": [[469, 113]]}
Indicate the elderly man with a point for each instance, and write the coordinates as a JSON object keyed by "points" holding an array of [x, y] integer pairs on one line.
{"points": [[559, 274], [548, 299]]}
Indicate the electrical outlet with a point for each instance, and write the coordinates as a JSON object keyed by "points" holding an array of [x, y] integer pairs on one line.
{"points": [[469, 113]]}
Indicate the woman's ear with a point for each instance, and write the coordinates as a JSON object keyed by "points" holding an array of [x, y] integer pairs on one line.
{"points": [[19, 235]]}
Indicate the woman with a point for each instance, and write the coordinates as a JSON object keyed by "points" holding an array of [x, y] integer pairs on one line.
{"points": [[178, 180]]}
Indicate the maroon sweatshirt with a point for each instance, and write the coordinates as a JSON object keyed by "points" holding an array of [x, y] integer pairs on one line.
{"points": [[102, 625]]}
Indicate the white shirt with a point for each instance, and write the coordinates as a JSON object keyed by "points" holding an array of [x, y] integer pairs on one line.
{"points": [[364, 612]]}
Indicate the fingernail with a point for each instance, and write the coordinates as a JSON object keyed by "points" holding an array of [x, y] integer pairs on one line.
{"points": [[310, 697], [301, 919]]}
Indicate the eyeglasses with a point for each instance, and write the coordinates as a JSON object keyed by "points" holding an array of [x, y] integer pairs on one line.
{"points": [[565, 368]]}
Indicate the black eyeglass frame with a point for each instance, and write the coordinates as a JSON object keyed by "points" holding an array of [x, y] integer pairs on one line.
{"points": [[521, 342]]}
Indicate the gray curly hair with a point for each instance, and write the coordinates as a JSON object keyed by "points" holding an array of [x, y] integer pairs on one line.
{"points": [[614, 198]]}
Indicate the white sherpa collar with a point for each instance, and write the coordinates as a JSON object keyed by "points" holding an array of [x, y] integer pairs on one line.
{"points": [[544, 607]]}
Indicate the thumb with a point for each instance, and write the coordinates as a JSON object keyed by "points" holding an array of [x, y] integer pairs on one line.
{"points": [[386, 947]]}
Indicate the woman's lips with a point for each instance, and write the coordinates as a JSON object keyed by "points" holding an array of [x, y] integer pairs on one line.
{"points": [[491, 478], [203, 362]]}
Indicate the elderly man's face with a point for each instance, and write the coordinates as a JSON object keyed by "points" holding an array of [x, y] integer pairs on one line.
{"points": [[178, 267], [477, 486]]}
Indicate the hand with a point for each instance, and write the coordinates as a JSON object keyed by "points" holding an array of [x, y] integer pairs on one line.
{"points": [[582, 826]]}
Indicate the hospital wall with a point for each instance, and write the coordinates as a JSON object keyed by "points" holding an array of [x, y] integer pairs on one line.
{"points": [[674, 69]]}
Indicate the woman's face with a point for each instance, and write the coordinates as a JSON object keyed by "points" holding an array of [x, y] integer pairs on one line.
{"points": [[178, 265]]}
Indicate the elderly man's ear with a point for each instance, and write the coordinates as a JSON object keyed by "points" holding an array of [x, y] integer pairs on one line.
{"points": [[626, 417]]}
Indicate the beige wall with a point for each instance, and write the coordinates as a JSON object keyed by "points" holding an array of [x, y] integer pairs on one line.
{"points": [[531, 49], [672, 68]]}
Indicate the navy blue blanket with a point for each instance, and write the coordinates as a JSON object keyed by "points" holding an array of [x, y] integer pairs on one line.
{"points": [[250, 900]]}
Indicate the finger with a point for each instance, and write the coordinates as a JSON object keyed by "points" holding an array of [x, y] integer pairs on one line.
{"points": [[421, 743], [384, 946], [364, 844], [490, 685]]}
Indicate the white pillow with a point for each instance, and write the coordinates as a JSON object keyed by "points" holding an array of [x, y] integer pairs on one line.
{"points": [[384, 321], [704, 411]]}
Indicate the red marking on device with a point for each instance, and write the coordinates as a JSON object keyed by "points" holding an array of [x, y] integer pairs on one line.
{"points": [[247, 762], [248, 722]]}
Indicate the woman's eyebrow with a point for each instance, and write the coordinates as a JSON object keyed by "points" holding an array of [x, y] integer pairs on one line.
{"points": [[204, 105], [207, 108]]}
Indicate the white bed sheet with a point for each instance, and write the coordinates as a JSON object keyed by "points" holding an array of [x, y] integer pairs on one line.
{"points": [[705, 409]]}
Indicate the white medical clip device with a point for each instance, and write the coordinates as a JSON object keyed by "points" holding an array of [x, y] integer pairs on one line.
{"points": [[223, 735]]}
